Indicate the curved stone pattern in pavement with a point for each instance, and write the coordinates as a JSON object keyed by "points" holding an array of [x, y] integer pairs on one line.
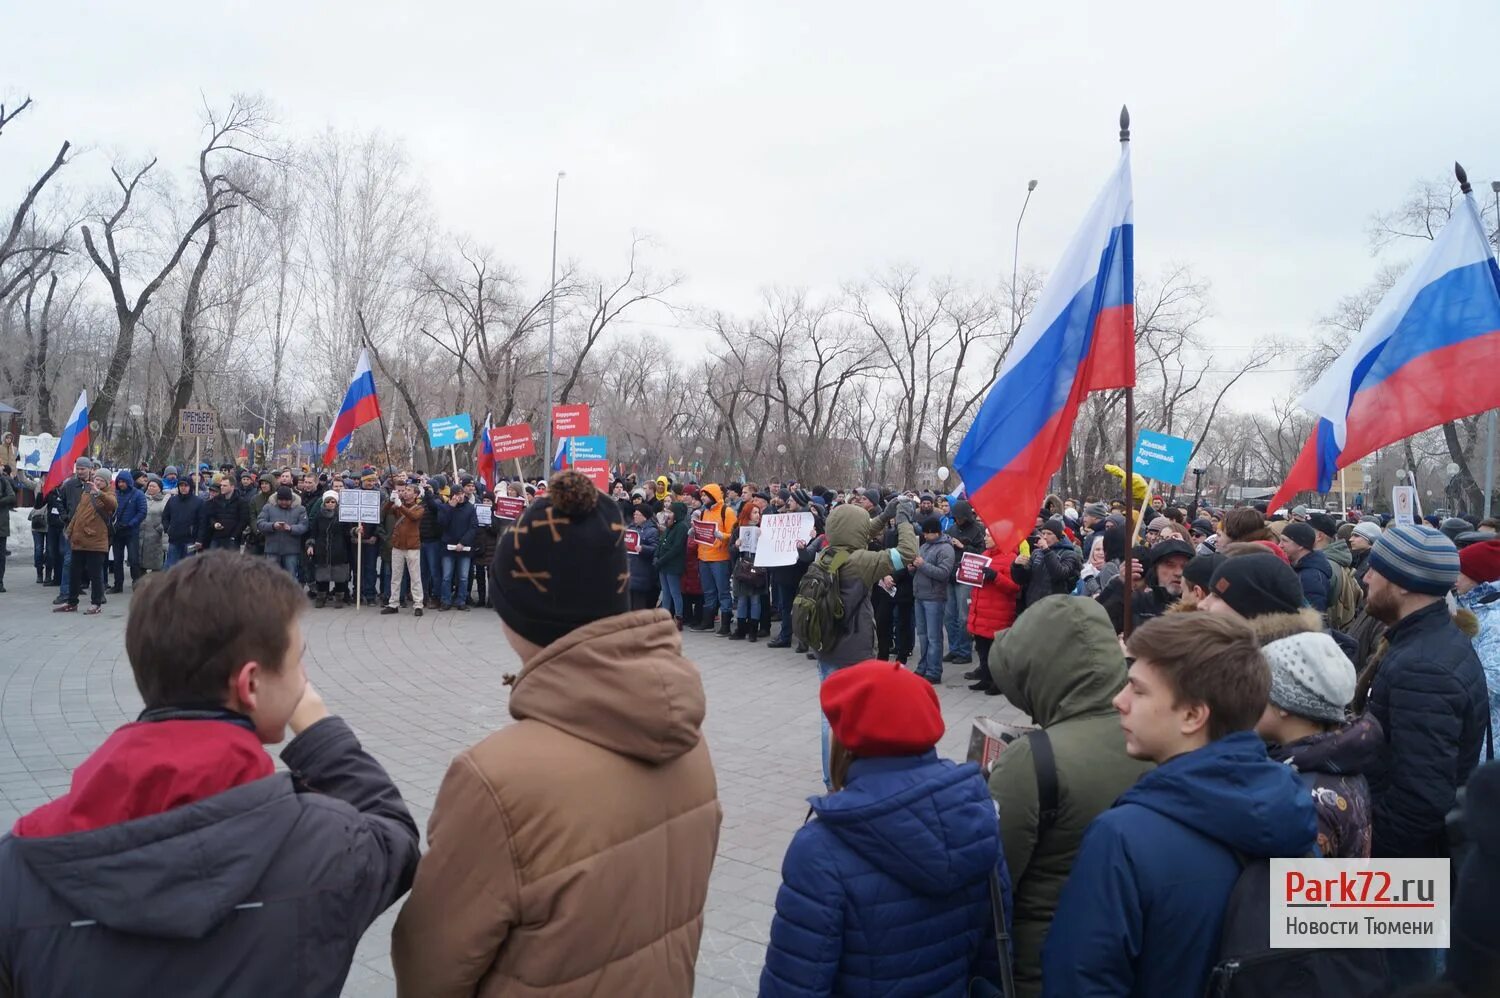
{"points": [[417, 691]]}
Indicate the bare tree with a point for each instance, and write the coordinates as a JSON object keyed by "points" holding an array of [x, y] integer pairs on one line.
{"points": [[221, 193], [23, 249], [603, 301]]}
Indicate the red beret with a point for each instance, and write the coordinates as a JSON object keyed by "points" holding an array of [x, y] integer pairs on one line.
{"points": [[1481, 562], [880, 709]]}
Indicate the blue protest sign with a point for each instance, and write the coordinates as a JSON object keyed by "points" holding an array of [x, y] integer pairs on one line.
{"points": [[588, 448], [445, 431], [1161, 458]]}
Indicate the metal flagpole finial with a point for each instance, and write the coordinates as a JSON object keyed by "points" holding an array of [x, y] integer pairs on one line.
{"points": [[1463, 178], [1124, 123]]}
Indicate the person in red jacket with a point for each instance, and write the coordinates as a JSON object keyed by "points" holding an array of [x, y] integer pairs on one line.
{"points": [[992, 609]]}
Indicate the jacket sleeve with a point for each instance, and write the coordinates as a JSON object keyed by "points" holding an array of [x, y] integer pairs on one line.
{"points": [[299, 522], [328, 759], [1424, 728], [264, 521], [1095, 939], [471, 526], [807, 931], [648, 547], [940, 567], [1013, 785], [467, 893], [1315, 589]]}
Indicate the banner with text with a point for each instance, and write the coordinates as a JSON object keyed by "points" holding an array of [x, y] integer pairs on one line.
{"points": [[570, 420], [779, 535], [446, 431], [514, 441]]}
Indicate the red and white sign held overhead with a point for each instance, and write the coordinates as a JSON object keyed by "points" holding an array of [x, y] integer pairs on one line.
{"points": [[570, 421], [514, 441]]}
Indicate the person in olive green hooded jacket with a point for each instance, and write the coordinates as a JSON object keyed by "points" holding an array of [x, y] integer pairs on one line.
{"points": [[1060, 663]]}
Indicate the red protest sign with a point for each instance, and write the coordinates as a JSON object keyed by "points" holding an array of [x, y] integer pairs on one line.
{"points": [[510, 509], [596, 472], [971, 569], [704, 531], [632, 542], [512, 441], [570, 420]]}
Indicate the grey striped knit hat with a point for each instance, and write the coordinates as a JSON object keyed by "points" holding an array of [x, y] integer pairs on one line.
{"points": [[1417, 558]]}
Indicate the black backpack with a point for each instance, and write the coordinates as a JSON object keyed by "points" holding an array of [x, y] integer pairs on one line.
{"points": [[818, 610], [1248, 967]]}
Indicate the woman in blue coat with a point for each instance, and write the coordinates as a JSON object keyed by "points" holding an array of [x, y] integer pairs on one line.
{"points": [[887, 889]]}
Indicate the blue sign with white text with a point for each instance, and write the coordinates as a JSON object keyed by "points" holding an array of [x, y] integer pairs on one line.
{"points": [[587, 448], [445, 431], [1161, 458]]}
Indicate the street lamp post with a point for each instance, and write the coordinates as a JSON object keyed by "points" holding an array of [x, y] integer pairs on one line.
{"points": [[552, 320], [1015, 259]]}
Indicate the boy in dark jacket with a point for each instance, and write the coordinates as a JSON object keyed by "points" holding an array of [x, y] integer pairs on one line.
{"points": [[225, 518], [460, 527], [182, 522], [125, 541], [105, 887], [1143, 907], [1051, 569]]}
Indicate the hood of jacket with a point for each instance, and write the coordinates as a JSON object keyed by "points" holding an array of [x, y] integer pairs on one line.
{"points": [[621, 683], [715, 493], [1061, 659], [1275, 626], [925, 821], [1483, 595], [963, 512], [849, 528], [1233, 793], [127, 478], [1338, 553], [1346, 751], [151, 795]]}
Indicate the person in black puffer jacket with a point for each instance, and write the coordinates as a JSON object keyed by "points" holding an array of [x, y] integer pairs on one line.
{"points": [[430, 530], [328, 545], [1474, 957], [1430, 697], [225, 517], [1051, 569]]}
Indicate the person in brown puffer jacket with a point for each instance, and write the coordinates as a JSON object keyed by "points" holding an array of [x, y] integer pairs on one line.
{"points": [[569, 853], [88, 533], [406, 547]]}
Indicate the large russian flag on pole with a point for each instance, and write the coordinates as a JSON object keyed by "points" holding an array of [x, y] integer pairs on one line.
{"points": [[1079, 338], [360, 407], [484, 464], [73, 444], [1429, 353]]}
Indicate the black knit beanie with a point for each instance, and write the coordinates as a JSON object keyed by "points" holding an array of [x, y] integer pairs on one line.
{"points": [[1257, 584], [563, 564]]}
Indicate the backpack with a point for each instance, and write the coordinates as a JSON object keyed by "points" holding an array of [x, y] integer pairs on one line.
{"points": [[1343, 599], [818, 609], [1247, 966]]}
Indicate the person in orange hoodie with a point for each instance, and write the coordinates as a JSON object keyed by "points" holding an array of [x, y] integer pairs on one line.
{"points": [[713, 558]]}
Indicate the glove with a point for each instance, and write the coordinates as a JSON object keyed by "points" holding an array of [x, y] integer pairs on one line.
{"points": [[909, 510], [890, 510], [1137, 483]]}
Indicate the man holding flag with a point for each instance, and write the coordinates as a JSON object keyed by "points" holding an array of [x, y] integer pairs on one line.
{"points": [[69, 457]]}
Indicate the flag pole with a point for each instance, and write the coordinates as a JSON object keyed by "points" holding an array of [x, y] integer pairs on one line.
{"points": [[364, 334], [1128, 576]]}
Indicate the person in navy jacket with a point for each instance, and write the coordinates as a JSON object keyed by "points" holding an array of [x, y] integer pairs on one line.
{"points": [[1143, 908], [460, 526], [130, 513], [887, 889]]}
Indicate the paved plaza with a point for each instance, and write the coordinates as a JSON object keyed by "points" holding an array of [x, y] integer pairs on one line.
{"points": [[418, 691]]}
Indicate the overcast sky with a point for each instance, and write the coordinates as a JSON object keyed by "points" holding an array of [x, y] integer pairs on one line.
{"points": [[809, 143]]}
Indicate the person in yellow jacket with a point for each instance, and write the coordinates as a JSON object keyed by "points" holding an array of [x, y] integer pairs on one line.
{"points": [[713, 558]]}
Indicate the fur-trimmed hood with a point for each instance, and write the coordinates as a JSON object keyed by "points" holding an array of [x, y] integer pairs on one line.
{"points": [[1275, 626]]}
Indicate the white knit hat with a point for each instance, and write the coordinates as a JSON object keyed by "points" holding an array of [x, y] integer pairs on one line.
{"points": [[1310, 676], [330, 495]]}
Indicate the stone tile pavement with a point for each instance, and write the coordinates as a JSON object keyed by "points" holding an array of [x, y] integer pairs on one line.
{"points": [[418, 691]]}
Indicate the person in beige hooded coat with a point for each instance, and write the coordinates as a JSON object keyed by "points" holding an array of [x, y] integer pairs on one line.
{"points": [[569, 852]]}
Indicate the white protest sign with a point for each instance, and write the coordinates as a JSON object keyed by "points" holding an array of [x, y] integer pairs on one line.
{"points": [[779, 535], [749, 538], [1404, 502], [485, 513], [359, 506]]}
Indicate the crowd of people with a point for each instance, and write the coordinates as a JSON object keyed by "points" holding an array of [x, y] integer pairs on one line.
{"points": [[1209, 688]]}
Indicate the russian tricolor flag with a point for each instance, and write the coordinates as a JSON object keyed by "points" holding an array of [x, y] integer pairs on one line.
{"points": [[1428, 354], [1079, 338], [484, 464], [73, 445], [564, 455], [360, 407]]}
